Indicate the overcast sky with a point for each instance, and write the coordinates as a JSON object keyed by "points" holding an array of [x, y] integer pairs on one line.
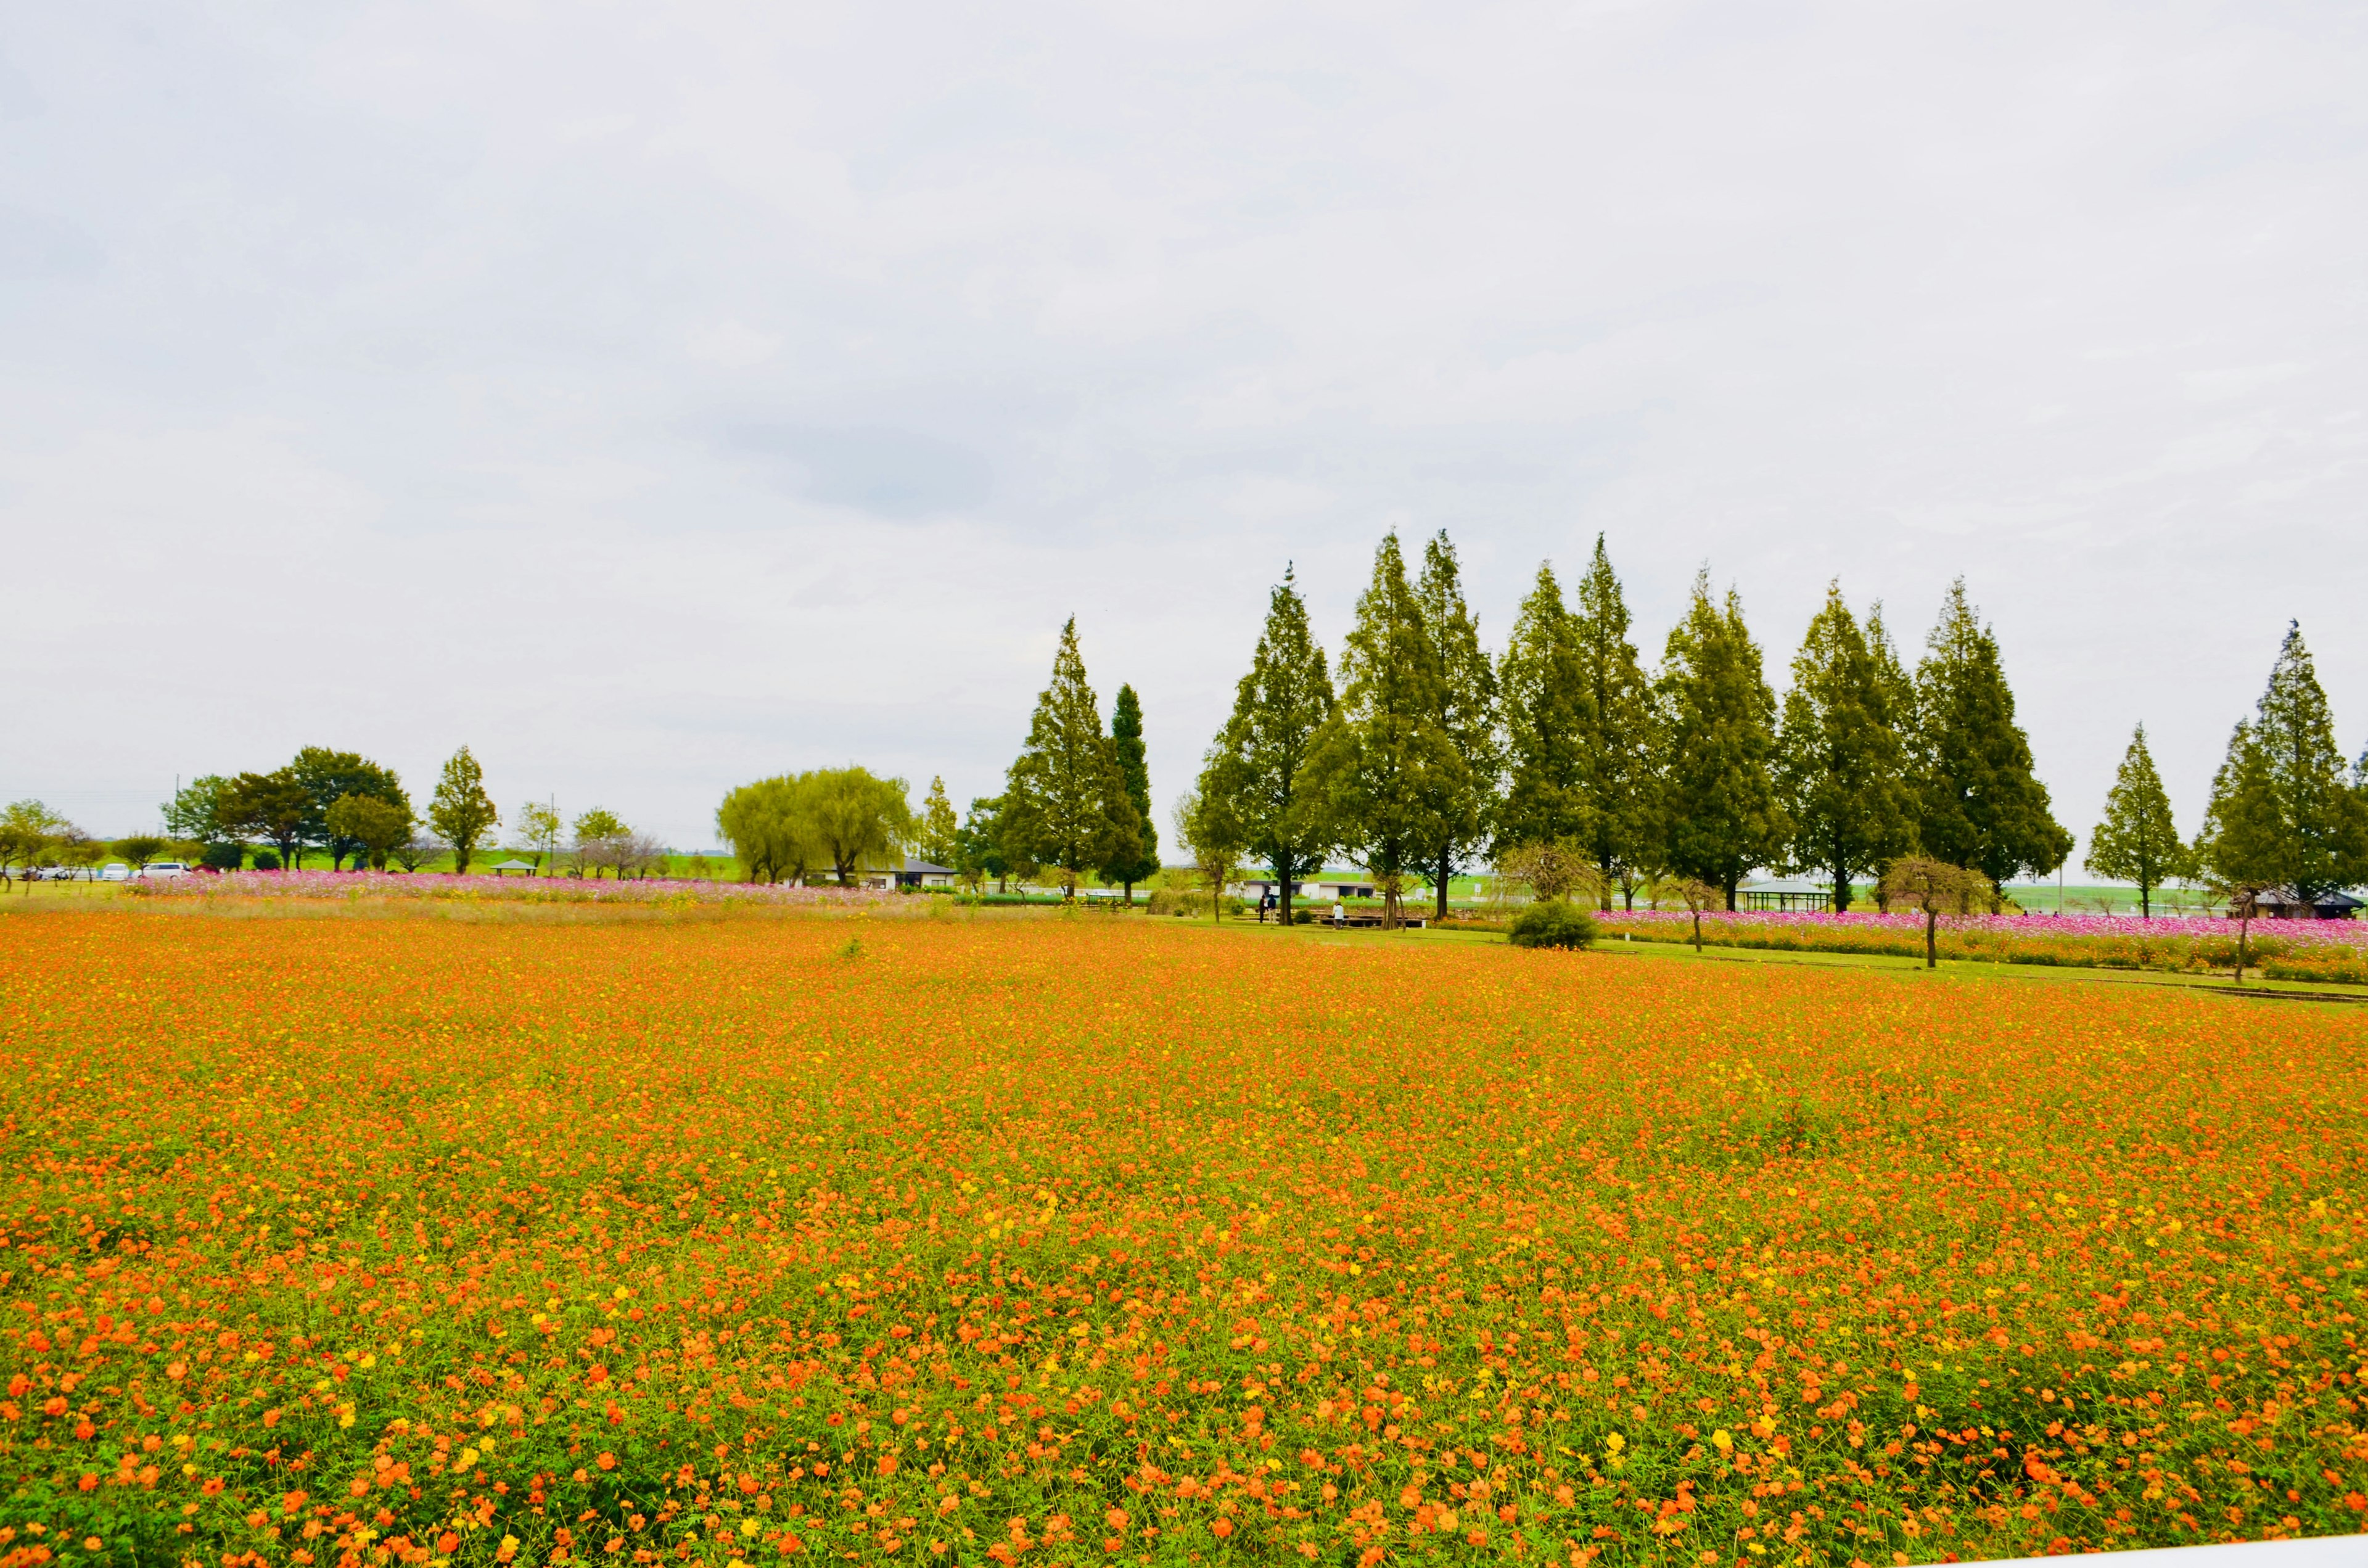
{"points": [[657, 397]]}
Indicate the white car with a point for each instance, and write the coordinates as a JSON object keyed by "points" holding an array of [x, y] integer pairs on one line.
{"points": [[165, 868], [115, 871]]}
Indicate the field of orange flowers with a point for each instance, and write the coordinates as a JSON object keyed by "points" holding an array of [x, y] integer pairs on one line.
{"points": [[999, 1241]]}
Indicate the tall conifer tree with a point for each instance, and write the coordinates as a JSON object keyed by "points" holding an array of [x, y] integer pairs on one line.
{"points": [[941, 829], [1719, 811], [1126, 743], [1466, 711], [1389, 767], [1615, 707], [1840, 765], [1538, 691], [1064, 800], [1979, 803], [2137, 842], [2245, 848], [2322, 837], [1256, 770]]}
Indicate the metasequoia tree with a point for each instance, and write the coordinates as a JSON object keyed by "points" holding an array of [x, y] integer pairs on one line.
{"points": [[1719, 810], [1064, 801], [2137, 842], [939, 826], [1615, 743], [1839, 761], [1257, 771], [2320, 839], [1464, 711], [1391, 773], [1979, 804]]}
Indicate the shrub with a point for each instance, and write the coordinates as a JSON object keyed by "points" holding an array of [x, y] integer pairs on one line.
{"points": [[266, 859], [1552, 923], [221, 857]]}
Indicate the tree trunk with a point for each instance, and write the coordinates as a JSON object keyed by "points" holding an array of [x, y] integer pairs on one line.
{"points": [[1730, 896], [1446, 868], [2244, 929], [1282, 889], [1931, 937], [1130, 895], [2146, 904], [1841, 887]]}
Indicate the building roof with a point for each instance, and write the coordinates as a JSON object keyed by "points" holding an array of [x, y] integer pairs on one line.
{"points": [[922, 868], [1786, 884]]}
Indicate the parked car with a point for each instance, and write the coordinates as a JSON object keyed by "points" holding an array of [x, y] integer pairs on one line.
{"points": [[115, 871], [165, 868]]}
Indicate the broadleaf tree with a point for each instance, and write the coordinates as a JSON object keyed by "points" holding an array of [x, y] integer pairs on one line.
{"points": [[856, 819], [275, 806], [329, 776], [374, 827], [195, 810], [1257, 769], [463, 813], [598, 833], [1212, 837], [1064, 801], [538, 828], [2138, 842], [766, 827], [978, 845]]}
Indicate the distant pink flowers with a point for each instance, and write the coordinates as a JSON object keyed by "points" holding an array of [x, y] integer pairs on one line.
{"points": [[485, 887], [2301, 933]]}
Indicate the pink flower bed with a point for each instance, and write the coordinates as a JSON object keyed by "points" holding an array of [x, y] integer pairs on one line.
{"points": [[505, 889], [2301, 933]]}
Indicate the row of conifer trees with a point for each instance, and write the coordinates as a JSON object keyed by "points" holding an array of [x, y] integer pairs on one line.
{"points": [[1429, 756], [1419, 755]]}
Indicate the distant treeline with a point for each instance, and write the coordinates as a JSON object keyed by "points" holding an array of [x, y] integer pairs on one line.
{"points": [[343, 806]]}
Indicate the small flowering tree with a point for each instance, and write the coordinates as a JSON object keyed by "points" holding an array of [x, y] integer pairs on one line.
{"points": [[1936, 888]]}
